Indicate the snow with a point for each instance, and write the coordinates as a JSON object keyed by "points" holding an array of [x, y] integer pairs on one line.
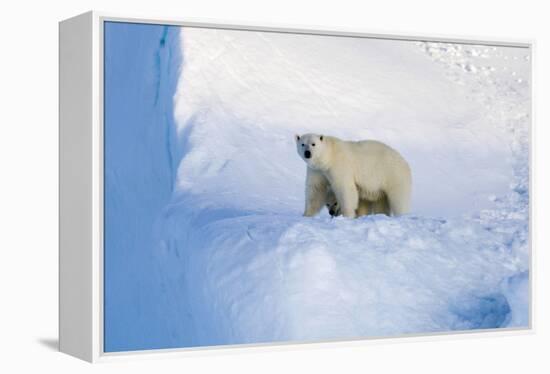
{"points": [[282, 278], [218, 253], [267, 86]]}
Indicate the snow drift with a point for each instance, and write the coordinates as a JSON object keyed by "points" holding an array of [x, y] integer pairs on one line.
{"points": [[232, 260]]}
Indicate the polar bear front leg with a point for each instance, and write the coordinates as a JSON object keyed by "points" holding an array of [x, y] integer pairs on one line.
{"points": [[316, 192], [347, 196]]}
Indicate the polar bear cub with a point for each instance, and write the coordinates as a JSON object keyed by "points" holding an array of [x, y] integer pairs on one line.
{"points": [[362, 170], [364, 207]]}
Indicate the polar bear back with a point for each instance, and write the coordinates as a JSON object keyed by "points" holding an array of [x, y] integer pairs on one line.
{"points": [[376, 166]]}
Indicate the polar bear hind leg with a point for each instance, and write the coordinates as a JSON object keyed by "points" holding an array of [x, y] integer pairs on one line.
{"points": [[399, 198], [363, 208], [380, 206]]}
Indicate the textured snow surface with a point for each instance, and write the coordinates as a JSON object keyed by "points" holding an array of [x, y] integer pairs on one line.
{"points": [[230, 259]]}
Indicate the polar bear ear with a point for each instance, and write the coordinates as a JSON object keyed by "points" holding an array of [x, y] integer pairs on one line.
{"points": [[321, 138], [296, 137]]}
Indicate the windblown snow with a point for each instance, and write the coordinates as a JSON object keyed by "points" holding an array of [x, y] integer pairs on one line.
{"points": [[232, 260]]}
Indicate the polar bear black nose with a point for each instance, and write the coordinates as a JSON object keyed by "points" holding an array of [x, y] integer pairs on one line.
{"points": [[331, 212], [307, 154]]}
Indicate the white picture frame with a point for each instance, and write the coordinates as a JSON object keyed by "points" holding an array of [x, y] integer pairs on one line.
{"points": [[81, 183]]}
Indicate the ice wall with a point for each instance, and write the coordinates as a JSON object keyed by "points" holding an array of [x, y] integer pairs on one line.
{"points": [[142, 65]]}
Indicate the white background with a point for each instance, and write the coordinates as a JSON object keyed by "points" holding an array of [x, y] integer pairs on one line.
{"points": [[28, 205]]}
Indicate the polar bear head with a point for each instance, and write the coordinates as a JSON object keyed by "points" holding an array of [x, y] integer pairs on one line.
{"points": [[312, 149]]}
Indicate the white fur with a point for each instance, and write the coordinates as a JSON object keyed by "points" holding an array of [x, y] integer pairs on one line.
{"points": [[364, 170], [364, 207]]}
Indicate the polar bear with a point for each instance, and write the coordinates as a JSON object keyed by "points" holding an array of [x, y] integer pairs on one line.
{"points": [[354, 171], [364, 207]]}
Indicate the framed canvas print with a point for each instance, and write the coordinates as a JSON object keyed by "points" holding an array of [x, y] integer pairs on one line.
{"points": [[242, 185]]}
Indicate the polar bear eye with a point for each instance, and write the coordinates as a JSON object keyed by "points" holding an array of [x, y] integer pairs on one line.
{"points": [[313, 144], [303, 145]]}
